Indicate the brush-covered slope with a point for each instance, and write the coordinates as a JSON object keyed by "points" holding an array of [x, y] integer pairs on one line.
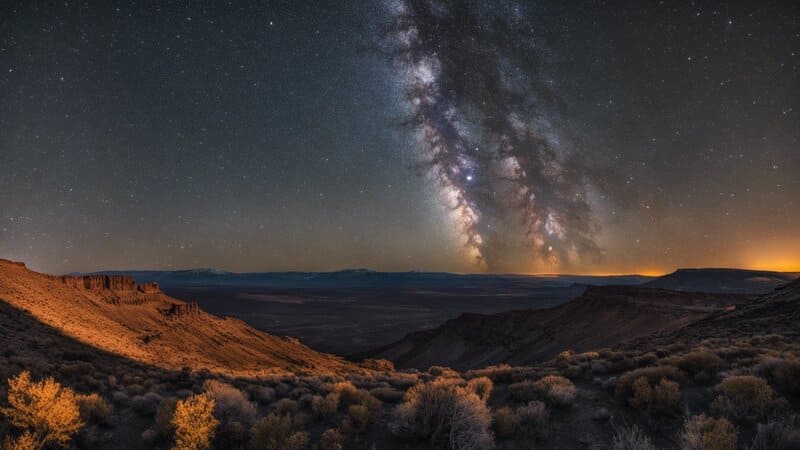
{"points": [[739, 281], [602, 316], [140, 322]]}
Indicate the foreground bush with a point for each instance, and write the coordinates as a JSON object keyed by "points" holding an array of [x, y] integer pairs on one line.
{"points": [[663, 398], [444, 413], [744, 397], [46, 412], [275, 432], [235, 412], [623, 388], [706, 433], [194, 423], [94, 408], [697, 362], [555, 389]]}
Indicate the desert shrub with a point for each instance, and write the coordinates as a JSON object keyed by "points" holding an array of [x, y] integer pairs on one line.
{"points": [[326, 406], [666, 396], [364, 398], [120, 398], [600, 366], [482, 386], [623, 388], [501, 373], [555, 389], [285, 406], [532, 419], [743, 397], [276, 432], [443, 372], [146, 404], [346, 391], [402, 380], [44, 410], [523, 391], [360, 417], [230, 404], [663, 398], [163, 426], [445, 413], [697, 361], [135, 389], [642, 396], [706, 433], [632, 438], [331, 439], [25, 441], [784, 374], [504, 421], [194, 423], [780, 434], [94, 408], [387, 394], [383, 365], [263, 394]]}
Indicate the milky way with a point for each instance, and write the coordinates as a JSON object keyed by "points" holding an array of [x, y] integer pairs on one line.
{"points": [[482, 110]]}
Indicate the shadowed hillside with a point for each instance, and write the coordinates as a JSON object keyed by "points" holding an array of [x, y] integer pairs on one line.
{"points": [[602, 316]]}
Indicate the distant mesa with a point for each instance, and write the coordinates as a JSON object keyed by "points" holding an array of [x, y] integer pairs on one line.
{"points": [[723, 280]]}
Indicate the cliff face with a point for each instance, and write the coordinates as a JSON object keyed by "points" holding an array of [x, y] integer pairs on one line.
{"points": [[109, 282], [112, 282]]}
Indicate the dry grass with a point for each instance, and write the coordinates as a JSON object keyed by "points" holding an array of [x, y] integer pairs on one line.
{"points": [[632, 438]]}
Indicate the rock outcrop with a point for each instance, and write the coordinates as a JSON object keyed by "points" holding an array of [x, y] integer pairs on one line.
{"points": [[108, 282], [182, 309]]}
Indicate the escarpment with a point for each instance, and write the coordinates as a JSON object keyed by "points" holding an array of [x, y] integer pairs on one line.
{"points": [[109, 282], [140, 322]]}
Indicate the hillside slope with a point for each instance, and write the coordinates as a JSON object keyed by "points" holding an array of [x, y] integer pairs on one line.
{"points": [[602, 316], [140, 322]]}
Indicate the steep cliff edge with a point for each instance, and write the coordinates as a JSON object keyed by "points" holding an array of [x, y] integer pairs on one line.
{"points": [[140, 322]]}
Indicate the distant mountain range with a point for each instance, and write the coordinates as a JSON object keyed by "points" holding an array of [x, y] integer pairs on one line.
{"points": [[740, 281], [352, 278]]}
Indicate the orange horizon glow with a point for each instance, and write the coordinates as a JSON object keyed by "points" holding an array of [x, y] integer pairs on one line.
{"points": [[785, 267]]}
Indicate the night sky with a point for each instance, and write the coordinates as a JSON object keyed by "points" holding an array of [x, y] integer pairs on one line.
{"points": [[550, 136]]}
